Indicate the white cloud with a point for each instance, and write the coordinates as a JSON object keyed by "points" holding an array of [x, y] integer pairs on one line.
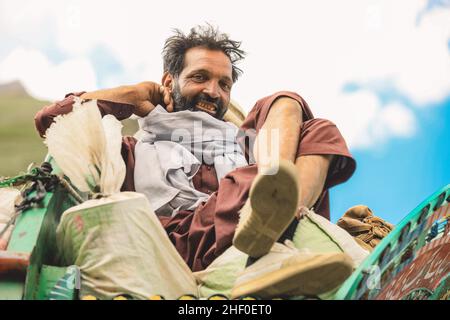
{"points": [[398, 120], [424, 72], [314, 48], [355, 115], [42, 78], [365, 123]]}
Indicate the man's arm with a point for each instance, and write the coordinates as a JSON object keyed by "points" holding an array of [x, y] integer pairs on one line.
{"points": [[280, 134], [45, 117], [143, 96], [121, 102]]}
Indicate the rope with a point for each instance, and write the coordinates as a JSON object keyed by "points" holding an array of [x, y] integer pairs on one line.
{"points": [[42, 181], [65, 184]]}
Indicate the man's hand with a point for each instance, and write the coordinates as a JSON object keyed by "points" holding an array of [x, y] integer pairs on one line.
{"points": [[146, 95], [143, 96]]}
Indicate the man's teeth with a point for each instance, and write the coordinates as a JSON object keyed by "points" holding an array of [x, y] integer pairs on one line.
{"points": [[206, 106]]}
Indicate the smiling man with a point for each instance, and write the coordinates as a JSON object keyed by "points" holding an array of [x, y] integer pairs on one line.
{"points": [[211, 192]]}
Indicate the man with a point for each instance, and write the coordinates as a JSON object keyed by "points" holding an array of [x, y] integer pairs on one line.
{"points": [[294, 168]]}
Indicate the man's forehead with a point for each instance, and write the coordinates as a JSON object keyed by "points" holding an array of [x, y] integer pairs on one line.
{"points": [[214, 61]]}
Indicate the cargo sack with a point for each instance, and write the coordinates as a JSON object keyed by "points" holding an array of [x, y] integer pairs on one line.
{"points": [[313, 232], [9, 197], [115, 238], [121, 248]]}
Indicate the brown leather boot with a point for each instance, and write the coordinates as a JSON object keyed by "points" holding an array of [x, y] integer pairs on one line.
{"points": [[367, 229]]}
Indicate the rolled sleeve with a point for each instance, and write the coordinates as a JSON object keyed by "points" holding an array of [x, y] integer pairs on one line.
{"points": [[322, 137], [45, 117]]}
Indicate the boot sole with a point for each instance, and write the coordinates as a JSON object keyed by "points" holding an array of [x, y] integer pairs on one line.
{"points": [[273, 200], [305, 279]]}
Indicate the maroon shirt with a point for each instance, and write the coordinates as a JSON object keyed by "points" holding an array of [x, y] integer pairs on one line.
{"points": [[203, 234]]}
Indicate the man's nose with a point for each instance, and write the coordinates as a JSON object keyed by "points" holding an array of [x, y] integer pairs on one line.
{"points": [[212, 90]]}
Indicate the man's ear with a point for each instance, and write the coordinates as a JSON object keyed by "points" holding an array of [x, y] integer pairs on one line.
{"points": [[167, 80]]}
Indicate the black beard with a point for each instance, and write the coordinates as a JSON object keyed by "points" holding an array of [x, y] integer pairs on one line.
{"points": [[181, 103]]}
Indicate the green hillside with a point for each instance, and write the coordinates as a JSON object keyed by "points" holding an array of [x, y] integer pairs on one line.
{"points": [[20, 143]]}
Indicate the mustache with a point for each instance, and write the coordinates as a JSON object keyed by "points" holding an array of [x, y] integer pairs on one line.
{"points": [[181, 103], [217, 103]]}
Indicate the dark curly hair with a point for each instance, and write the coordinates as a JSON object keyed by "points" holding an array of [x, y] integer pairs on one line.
{"points": [[208, 37]]}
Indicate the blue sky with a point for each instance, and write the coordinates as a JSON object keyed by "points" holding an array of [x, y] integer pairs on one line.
{"points": [[396, 177], [379, 69]]}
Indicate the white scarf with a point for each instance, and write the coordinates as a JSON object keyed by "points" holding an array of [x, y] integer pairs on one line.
{"points": [[171, 151]]}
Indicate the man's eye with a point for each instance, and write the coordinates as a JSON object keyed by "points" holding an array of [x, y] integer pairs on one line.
{"points": [[198, 77], [226, 86]]}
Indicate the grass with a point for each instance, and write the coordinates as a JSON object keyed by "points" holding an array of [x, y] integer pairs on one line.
{"points": [[20, 144]]}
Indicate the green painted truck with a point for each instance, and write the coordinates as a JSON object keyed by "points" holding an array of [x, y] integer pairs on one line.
{"points": [[412, 262]]}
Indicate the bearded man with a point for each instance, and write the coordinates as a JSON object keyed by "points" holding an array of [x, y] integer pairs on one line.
{"points": [[211, 193]]}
